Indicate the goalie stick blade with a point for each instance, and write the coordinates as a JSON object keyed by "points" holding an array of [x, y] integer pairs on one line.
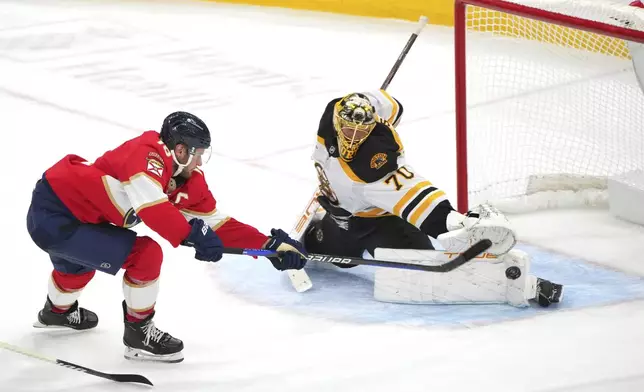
{"points": [[300, 280]]}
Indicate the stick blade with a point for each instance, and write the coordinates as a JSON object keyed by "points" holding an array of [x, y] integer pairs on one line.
{"points": [[300, 280], [135, 378]]}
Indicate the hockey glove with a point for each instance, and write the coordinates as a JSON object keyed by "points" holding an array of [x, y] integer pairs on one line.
{"points": [[206, 242], [339, 215], [293, 253]]}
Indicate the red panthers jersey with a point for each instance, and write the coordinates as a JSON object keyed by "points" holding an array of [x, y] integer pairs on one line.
{"points": [[134, 183]]}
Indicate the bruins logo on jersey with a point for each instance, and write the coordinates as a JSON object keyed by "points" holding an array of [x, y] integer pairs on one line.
{"points": [[378, 160]]}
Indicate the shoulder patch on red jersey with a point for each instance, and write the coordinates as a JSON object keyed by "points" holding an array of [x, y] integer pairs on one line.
{"points": [[154, 155], [155, 166]]}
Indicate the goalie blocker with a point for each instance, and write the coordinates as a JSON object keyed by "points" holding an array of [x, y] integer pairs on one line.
{"points": [[501, 275]]}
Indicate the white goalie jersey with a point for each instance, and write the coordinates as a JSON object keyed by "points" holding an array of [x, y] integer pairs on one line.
{"points": [[378, 182]]}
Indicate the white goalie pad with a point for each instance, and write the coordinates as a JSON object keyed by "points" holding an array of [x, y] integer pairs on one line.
{"points": [[486, 279], [465, 231]]}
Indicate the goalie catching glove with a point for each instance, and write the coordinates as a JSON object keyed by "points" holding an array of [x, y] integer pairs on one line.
{"points": [[481, 222], [293, 255]]}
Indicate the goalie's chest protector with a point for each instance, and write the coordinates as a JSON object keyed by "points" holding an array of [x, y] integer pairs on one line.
{"points": [[335, 183], [347, 183]]}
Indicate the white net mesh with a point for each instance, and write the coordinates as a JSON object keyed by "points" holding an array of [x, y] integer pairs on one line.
{"points": [[552, 112]]}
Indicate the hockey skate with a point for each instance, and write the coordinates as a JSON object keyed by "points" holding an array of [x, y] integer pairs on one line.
{"points": [[548, 293], [74, 318], [145, 342]]}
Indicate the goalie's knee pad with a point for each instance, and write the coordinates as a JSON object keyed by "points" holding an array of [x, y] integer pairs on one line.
{"points": [[326, 237]]}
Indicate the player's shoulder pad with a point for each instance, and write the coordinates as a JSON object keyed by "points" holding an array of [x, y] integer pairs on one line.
{"points": [[149, 156], [378, 155], [326, 133]]}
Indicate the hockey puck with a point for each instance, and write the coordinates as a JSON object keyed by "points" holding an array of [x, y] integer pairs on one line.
{"points": [[513, 273]]}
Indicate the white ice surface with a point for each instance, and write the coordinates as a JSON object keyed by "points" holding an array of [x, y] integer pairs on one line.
{"points": [[81, 77]]}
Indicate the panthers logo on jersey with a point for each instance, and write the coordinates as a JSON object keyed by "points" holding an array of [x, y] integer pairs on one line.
{"points": [[131, 219]]}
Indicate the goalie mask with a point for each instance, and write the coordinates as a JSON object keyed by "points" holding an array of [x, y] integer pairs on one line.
{"points": [[354, 118]]}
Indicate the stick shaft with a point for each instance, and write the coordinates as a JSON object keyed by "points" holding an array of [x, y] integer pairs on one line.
{"points": [[410, 42], [453, 262]]}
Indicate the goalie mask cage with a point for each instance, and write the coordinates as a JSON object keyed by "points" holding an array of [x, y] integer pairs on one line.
{"points": [[548, 104]]}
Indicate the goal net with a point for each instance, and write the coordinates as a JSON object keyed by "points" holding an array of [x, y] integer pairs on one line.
{"points": [[548, 101]]}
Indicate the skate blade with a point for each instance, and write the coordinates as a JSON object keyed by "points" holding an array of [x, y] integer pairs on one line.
{"points": [[40, 325], [135, 354], [55, 328]]}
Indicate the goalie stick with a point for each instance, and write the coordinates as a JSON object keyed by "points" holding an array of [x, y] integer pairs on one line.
{"points": [[447, 266], [299, 278], [421, 24], [135, 378]]}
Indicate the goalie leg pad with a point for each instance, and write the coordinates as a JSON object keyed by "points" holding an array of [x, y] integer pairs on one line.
{"points": [[486, 279]]}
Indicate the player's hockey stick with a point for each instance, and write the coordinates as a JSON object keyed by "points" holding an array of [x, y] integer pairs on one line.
{"points": [[114, 377], [421, 24], [447, 266]]}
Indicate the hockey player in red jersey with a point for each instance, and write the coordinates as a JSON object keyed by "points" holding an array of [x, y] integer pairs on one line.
{"points": [[81, 211]]}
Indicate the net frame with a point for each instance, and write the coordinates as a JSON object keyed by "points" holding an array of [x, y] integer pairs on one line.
{"points": [[460, 39]]}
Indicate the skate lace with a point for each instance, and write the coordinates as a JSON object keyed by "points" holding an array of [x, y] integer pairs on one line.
{"points": [[152, 333], [74, 317]]}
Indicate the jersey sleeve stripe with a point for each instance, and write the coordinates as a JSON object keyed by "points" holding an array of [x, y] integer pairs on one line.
{"points": [[414, 203], [144, 191], [220, 223], [108, 190], [138, 176], [321, 140], [394, 134], [394, 107], [410, 193], [372, 213], [214, 218], [198, 213], [150, 204], [427, 206], [347, 170]]}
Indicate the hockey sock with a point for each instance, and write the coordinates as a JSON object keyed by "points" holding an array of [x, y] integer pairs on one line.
{"points": [[140, 298], [65, 289]]}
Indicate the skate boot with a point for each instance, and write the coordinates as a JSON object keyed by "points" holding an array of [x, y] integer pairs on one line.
{"points": [[74, 318], [548, 292], [144, 342]]}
